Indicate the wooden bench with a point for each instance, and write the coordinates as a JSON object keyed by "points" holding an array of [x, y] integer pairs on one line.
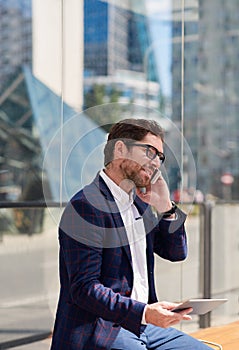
{"points": [[227, 336]]}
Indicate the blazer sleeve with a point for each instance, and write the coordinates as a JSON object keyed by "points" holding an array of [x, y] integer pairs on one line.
{"points": [[170, 240], [83, 264]]}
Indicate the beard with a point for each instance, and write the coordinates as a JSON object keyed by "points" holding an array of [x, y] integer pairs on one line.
{"points": [[134, 172]]}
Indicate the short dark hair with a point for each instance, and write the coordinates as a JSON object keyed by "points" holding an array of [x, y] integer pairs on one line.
{"points": [[130, 129]]}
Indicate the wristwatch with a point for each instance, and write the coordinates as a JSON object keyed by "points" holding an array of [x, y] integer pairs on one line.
{"points": [[171, 211]]}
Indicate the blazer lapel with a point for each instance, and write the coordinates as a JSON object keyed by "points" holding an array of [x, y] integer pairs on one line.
{"points": [[122, 238]]}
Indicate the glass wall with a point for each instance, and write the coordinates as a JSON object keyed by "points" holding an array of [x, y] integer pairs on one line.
{"points": [[166, 58], [68, 69], [211, 268]]}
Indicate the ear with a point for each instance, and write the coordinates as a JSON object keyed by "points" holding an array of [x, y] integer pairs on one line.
{"points": [[119, 150]]}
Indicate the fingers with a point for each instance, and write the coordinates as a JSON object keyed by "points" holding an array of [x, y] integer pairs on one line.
{"points": [[144, 194], [187, 318], [174, 318], [161, 314], [184, 311], [168, 305]]}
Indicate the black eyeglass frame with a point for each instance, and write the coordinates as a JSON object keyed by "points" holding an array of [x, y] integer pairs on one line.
{"points": [[148, 148]]}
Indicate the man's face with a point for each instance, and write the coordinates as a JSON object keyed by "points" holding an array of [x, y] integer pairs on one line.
{"points": [[137, 166]]}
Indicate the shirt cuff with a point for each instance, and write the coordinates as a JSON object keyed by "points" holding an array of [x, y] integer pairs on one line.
{"points": [[143, 321], [173, 219]]}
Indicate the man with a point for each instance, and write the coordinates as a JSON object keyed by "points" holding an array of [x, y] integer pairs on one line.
{"points": [[108, 234]]}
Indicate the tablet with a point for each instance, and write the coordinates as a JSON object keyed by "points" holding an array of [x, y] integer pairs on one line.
{"points": [[200, 306]]}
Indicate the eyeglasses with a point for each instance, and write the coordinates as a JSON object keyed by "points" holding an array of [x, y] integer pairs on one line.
{"points": [[151, 151]]}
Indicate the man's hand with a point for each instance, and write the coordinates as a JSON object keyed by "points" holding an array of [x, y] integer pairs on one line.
{"points": [[157, 195], [160, 314]]}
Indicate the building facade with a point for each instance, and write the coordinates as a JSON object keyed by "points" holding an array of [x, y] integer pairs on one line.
{"points": [[15, 37], [209, 90], [116, 40], [218, 100]]}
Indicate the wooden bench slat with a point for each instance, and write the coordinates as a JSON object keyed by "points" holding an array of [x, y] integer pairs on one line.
{"points": [[227, 336]]}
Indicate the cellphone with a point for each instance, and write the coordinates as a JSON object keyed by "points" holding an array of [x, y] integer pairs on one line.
{"points": [[156, 174]]}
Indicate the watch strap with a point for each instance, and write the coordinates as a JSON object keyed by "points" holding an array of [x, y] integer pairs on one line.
{"points": [[171, 211]]}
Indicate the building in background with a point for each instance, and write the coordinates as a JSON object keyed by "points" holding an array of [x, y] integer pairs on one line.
{"points": [[185, 87], [123, 87], [15, 37], [116, 40], [218, 99], [58, 48], [41, 89], [114, 52], [210, 90]]}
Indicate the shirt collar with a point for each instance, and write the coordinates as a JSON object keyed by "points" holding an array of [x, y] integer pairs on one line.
{"points": [[119, 195]]}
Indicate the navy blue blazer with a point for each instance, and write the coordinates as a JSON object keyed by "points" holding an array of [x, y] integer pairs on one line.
{"points": [[96, 275]]}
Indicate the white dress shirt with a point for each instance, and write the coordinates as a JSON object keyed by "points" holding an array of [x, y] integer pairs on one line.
{"points": [[136, 234]]}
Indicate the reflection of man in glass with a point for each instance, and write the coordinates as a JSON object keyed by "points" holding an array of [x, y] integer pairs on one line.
{"points": [[108, 234]]}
